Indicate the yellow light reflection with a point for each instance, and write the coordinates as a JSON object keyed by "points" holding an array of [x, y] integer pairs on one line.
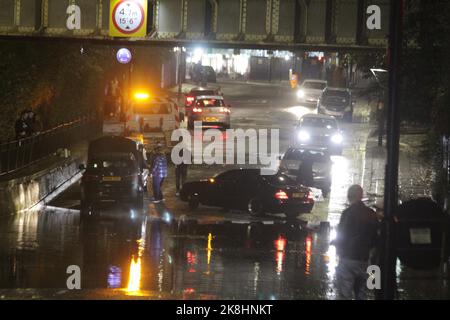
{"points": [[209, 251], [308, 255], [134, 280], [141, 96]]}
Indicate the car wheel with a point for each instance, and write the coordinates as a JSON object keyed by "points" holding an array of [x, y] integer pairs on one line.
{"points": [[255, 207], [193, 201]]}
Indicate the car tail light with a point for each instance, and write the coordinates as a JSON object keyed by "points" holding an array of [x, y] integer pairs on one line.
{"points": [[281, 195], [310, 195], [197, 110], [189, 100], [225, 110]]}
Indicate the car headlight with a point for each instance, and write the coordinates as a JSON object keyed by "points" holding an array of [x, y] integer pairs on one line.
{"points": [[300, 93], [304, 136], [337, 138]]}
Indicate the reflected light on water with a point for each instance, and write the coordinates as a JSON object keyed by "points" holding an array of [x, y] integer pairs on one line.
{"points": [[280, 245], [134, 280], [338, 195], [209, 248], [308, 244]]}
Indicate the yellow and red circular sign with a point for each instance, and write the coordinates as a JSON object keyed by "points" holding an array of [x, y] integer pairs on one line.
{"points": [[128, 18]]}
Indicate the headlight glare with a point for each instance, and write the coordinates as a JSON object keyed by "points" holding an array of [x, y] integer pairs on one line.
{"points": [[304, 136], [337, 138]]}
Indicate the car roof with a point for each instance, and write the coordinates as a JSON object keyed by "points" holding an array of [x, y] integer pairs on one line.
{"points": [[324, 151], [337, 89], [204, 89], [315, 80], [210, 97], [318, 116]]}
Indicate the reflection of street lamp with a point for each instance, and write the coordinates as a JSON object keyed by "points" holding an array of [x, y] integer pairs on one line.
{"points": [[380, 105]]}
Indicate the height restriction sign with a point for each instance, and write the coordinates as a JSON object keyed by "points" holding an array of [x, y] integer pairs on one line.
{"points": [[128, 18]]}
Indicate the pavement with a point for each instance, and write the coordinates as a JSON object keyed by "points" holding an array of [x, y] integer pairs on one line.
{"points": [[167, 251]]}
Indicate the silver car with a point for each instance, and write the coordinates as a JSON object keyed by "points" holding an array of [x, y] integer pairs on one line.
{"points": [[211, 111], [310, 91]]}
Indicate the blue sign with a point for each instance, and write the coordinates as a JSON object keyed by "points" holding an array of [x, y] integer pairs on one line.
{"points": [[124, 56]]}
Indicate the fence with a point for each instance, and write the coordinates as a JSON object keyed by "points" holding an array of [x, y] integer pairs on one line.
{"points": [[18, 154]]}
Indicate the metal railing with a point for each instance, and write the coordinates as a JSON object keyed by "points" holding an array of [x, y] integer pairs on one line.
{"points": [[18, 154]]}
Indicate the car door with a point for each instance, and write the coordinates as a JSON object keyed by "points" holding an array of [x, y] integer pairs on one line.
{"points": [[229, 188]]}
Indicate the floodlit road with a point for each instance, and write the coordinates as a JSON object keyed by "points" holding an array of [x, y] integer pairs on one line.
{"points": [[167, 251]]}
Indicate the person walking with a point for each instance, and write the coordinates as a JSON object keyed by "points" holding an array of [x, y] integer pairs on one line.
{"points": [[159, 172], [356, 237]]}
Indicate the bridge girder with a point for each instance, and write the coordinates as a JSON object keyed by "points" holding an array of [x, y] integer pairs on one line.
{"points": [[271, 24]]}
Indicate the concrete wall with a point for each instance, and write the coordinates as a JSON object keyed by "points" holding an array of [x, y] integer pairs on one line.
{"points": [[26, 192]]}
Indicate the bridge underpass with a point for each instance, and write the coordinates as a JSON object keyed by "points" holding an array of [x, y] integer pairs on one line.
{"points": [[321, 25]]}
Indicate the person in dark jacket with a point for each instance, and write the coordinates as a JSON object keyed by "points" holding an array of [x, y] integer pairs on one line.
{"points": [[159, 173], [356, 236], [181, 171], [22, 128]]}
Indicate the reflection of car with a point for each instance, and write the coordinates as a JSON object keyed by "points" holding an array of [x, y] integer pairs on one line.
{"points": [[309, 92], [247, 189], [116, 170], [211, 111], [336, 102], [315, 130], [322, 164]]}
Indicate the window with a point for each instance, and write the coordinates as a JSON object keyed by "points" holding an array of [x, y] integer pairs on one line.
{"points": [[314, 85], [319, 123]]}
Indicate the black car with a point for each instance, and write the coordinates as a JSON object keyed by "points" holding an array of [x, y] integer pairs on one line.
{"points": [[321, 165], [116, 171], [248, 190]]}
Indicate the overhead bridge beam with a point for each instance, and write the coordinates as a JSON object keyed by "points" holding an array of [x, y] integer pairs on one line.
{"points": [[266, 24]]}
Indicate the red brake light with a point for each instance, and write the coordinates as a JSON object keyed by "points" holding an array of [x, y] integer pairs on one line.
{"points": [[197, 110], [281, 195], [310, 195], [189, 100]]}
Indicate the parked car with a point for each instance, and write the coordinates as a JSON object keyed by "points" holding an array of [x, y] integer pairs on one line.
{"points": [[116, 171], [310, 91], [322, 165], [337, 102], [320, 131], [248, 190]]}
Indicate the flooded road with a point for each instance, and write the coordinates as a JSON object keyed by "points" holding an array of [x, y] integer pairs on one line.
{"points": [[166, 251]]}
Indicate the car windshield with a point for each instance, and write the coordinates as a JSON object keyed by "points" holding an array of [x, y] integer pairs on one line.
{"points": [[210, 103], [113, 162], [279, 180], [152, 108], [339, 98], [301, 155], [319, 123], [314, 85]]}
